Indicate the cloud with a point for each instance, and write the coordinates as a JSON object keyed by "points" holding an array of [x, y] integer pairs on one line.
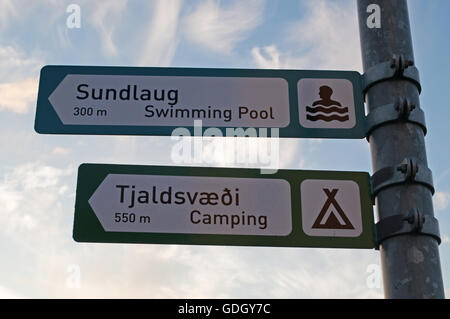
{"points": [[28, 193], [14, 65], [326, 38], [179, 271], [36, 207], [441, 201], [63, 36], [18, 96], [219, 28], [61, 151], [105, 17], [442, 177], [445, 239], [9, 198], [267, 57], [37, 222], [270, 57], [6, 293], [7, 10], [18, 80], [161, 38], [330, 35]]}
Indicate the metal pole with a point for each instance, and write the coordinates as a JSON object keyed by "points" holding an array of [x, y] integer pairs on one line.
{"points": [[410, 261]]}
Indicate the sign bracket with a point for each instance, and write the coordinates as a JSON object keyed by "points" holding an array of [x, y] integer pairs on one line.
{"points": [[413, 223], [397, 68], [405, 173], [401, 110]]}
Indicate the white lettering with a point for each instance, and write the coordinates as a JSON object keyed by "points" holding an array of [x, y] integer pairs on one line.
{"points": [[374, 19], [74, 19]]}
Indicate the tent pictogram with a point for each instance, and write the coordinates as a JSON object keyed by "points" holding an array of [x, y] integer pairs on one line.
{"points": [[330, 218]]}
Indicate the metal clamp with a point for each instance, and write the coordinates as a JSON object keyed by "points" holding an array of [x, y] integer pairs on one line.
{"points": [[402, 110], [406, 172], [413, 223], [397, 68]]}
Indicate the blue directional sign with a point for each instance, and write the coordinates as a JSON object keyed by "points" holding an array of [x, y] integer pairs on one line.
{"points": [[156, 101]]}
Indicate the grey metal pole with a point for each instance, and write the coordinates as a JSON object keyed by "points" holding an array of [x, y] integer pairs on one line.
{"points": [[409, 259]]}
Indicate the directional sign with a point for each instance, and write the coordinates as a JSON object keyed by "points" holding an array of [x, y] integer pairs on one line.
{"points": [[222, 206], [155, 101]]}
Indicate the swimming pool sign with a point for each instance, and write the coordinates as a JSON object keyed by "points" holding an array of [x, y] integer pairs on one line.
{"points": [[155, 101]]}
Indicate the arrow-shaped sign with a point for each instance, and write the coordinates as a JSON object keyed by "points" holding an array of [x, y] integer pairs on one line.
{"points": [[194, 205], [215, 206], [155, 101], [171, 101]]}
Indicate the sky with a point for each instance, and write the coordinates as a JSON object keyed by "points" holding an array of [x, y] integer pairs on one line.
{"points": [[39, 258]]}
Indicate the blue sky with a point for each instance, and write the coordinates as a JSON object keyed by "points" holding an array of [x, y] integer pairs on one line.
{"points": [[38, 172]]}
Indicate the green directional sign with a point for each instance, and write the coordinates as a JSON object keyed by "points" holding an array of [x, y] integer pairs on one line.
{"points": [[223, 206], [156, 101]]}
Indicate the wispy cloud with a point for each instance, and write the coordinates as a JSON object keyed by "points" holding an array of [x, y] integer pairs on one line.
{"points": [[6, 10], [270, 57], [325, 38], [6, 293], [105, 17], [27, 193], [38, 196], [445, 239], [16, 65], [18, 80], [441, 201], [161, 39], [18, 96], [219, 28], [37, 199], [61, 151], [63, 36], [267, 57]]}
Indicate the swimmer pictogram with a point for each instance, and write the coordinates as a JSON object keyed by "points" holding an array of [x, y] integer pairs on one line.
{"points": [[326, 109]]}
